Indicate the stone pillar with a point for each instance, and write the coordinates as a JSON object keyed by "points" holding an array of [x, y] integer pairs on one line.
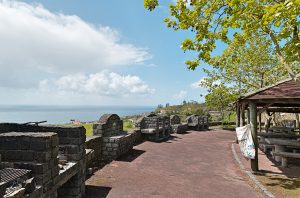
{"points": [[72, 142]]}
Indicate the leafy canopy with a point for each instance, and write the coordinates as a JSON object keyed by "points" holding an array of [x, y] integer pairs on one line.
{"points": [[241, 69], [232, 21]]}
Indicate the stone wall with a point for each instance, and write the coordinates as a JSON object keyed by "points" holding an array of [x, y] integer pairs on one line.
{"points": [[114, 147], [94, 143]]}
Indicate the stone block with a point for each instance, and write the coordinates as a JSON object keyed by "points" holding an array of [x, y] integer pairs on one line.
{"points": [[25, 144], [27, 155], [40, 145], [62, 133], [54, 141], [54, 152], [76, 133], [14, 155], [53, 161], [115, 145], [43, 178], [40, 168], [76, 157], [42, 156], [112, 140], [48, 185], [64, 141], [10, 144], [54, 171], [74, 191]]}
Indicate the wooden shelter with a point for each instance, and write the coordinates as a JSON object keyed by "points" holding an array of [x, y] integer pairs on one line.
{"points": [[283, 96]]}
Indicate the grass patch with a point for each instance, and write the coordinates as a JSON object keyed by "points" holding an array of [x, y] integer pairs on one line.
{"points": [[89, 129], [127, 125]]}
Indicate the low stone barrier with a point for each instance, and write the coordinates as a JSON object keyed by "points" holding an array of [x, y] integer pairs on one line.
{"points": [[115, 146]]}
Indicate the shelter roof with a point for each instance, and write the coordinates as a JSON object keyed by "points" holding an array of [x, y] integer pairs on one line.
{"points": [[287, 88]]}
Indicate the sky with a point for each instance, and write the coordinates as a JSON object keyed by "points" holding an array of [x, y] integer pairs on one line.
{"points": [[96, 52]]}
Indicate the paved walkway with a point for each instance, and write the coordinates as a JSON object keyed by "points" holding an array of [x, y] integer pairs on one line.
{"points": [[196, 164]]}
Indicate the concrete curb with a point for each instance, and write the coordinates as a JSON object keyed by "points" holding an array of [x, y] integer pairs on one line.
{"points": [[249, 173]]}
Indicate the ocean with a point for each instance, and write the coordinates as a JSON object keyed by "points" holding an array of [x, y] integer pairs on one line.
{"points": [[63, 114]]}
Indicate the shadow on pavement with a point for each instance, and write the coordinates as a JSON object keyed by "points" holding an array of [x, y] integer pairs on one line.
{"points": [[130, 156], [96, 191]]}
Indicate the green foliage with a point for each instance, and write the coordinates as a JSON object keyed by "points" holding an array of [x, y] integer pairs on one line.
{"points": [[219, 97], [184, 110], [214, 21], [242, 69], [150, 4], [127, 125]]}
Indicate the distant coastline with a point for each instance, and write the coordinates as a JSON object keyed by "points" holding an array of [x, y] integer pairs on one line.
{"points": [[59, 114]]}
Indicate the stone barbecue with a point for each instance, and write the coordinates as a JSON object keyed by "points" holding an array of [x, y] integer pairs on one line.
{"points": [[196, 122], [176, 125], [116, 142], [154, 128], [55, 155]]}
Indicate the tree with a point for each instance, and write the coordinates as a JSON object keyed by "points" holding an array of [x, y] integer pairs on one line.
{"points": [[246, 67], [231, 21], [219, 98]]}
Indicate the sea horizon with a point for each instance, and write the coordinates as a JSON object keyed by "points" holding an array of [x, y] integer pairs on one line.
{"points": [[60, 114]]}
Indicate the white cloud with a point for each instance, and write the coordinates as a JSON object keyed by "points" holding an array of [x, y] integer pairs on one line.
{"points": [[36, 42], [103, 84], [197, 84], [181, 95]]}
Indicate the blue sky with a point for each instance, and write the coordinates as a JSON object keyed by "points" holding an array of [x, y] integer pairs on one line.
{"points": [[93, 52]]}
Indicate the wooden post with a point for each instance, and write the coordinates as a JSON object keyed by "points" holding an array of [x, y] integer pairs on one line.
{"points": [[238, 116], [259, 121], [243, 115], [253, 124], [248, 115]]}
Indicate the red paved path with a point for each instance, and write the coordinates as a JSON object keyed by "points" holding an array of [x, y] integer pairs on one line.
{"points": [[197, 164]]}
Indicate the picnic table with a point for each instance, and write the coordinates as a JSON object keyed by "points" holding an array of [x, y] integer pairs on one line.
{"points": [[280, 129], [280, 145], [278, 135]]}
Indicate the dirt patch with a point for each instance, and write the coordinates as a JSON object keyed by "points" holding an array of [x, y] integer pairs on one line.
{"points": [[280, 185]]}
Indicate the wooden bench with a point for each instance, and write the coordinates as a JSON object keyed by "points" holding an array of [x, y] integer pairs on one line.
{"points": [[264, 146], [285, 155]]}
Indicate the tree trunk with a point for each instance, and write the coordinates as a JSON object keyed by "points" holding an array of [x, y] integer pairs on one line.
{"points": [[281, 58]]}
